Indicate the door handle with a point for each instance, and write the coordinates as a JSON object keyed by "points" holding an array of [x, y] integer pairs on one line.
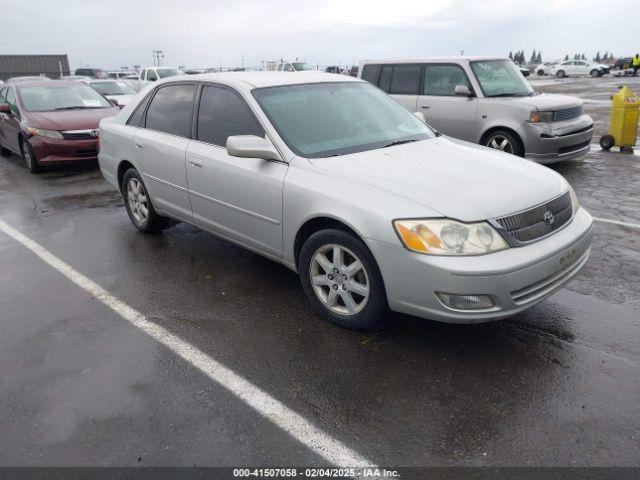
{"points": [[426, 107], [195, 163], [139, 145]]}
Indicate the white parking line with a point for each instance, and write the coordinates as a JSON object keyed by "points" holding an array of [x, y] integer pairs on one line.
{"points": [[273, 410], [617, 222]]}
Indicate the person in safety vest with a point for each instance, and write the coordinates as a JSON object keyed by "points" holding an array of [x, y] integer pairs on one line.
{"points": [[635, 63]]}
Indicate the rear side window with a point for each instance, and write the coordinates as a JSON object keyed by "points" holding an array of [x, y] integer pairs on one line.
{"points": [[441, 80], [171, 110], [370, 73], [136, 117], [3, 93], [223, 113], [151, 75], [385, 78], [405, 79]]}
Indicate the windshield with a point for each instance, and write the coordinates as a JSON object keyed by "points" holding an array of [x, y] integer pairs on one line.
{"points": [[327, 119], [167, 72], [500, 78], [113, 88], [63, 97], [298, 66]]}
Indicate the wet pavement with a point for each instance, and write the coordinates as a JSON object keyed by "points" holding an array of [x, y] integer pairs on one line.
{"points": [[556, 385]]}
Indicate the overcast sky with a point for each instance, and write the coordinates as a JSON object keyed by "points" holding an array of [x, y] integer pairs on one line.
{"points": [[211, 33]]}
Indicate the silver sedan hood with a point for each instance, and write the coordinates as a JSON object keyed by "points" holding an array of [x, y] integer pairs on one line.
{"points": [[460, 180]]}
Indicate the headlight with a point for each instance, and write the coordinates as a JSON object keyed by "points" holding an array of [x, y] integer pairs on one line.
{"points": [[45, 133], [575, 203], [541, 117], [448, 237]]}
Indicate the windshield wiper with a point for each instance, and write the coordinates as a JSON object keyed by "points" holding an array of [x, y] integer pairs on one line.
{"points": [[505, 95], [75, 107], [400, 142]]}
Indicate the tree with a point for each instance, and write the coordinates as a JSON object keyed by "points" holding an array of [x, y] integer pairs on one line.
{"points": [[597, 58], [566, 57], [534, 56], [539, 59], [510, 55]]}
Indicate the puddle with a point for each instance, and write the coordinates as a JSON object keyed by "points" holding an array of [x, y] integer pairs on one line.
{"points": [[105, 199]]}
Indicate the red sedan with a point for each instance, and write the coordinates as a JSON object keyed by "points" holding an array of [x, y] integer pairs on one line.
{"points": [[51, 122]]}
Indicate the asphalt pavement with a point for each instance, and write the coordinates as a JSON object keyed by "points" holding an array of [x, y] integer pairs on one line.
{"points": [[558, 385]]}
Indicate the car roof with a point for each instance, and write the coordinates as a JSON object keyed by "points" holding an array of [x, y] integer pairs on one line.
{"points": [[431, 60], [263, 79]]}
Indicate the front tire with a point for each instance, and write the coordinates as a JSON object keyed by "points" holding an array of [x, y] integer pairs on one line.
{"points": [[138, 204], [561, 74], [29, 157], [342, 280], [541, 73], [595, 73], [607, 141], [505, 142]]}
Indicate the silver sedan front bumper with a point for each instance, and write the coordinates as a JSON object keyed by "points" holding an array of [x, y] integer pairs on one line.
{"points": [[516, 278]]}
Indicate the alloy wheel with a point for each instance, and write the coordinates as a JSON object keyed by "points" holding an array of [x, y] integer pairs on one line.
{"points": [[339, 279], [138, 202], [501, 143]]}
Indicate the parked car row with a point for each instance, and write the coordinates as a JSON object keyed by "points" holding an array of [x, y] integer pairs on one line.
{"points": [[373, 209], [572, 68]]}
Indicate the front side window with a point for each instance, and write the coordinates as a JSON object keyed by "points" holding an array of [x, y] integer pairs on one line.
{"points": [[441, 80], [223, 113], [405, 80], [3, 94], [151, 76], [11, 100], [61, 97], [500, 78], [171, 110], [288, 68], [337, 118]]}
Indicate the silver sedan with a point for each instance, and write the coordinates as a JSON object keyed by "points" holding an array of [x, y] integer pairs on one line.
{"points": [[334, 179]]}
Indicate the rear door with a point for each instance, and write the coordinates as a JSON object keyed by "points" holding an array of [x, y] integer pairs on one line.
{"points": [[238, 198], [402, 82], [445, 111], [161, 145]]}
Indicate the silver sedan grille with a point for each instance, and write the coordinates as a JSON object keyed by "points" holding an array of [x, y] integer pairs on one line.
{"points": [[537, 222]]}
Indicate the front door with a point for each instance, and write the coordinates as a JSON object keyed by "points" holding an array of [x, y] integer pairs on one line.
{"points": [[238, 198], [161, 145], [445, 111]]}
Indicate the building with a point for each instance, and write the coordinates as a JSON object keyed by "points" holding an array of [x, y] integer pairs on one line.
{"points": [[52, 66]]}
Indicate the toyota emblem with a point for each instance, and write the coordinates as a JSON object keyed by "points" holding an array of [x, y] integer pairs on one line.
{"points": [[548, 217]]}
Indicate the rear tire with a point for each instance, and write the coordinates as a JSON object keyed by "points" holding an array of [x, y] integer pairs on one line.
{"points": [[139, 206], [607, 141], [29, 157], [346, 289], [541, 73], [595, 73], [504, 141], [561, 74]]}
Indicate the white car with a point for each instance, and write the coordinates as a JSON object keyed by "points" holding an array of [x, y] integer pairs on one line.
{"points": [[544, 68], [152, 74], [578, 68], [293, 67], [117, 91]]}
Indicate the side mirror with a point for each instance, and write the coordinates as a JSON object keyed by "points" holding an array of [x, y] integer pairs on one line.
{"points": [[463, 91], [251, 146], [5, 108], [420, 116]]}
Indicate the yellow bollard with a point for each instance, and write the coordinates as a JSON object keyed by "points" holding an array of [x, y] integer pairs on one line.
{"points": [[623, 131]]}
